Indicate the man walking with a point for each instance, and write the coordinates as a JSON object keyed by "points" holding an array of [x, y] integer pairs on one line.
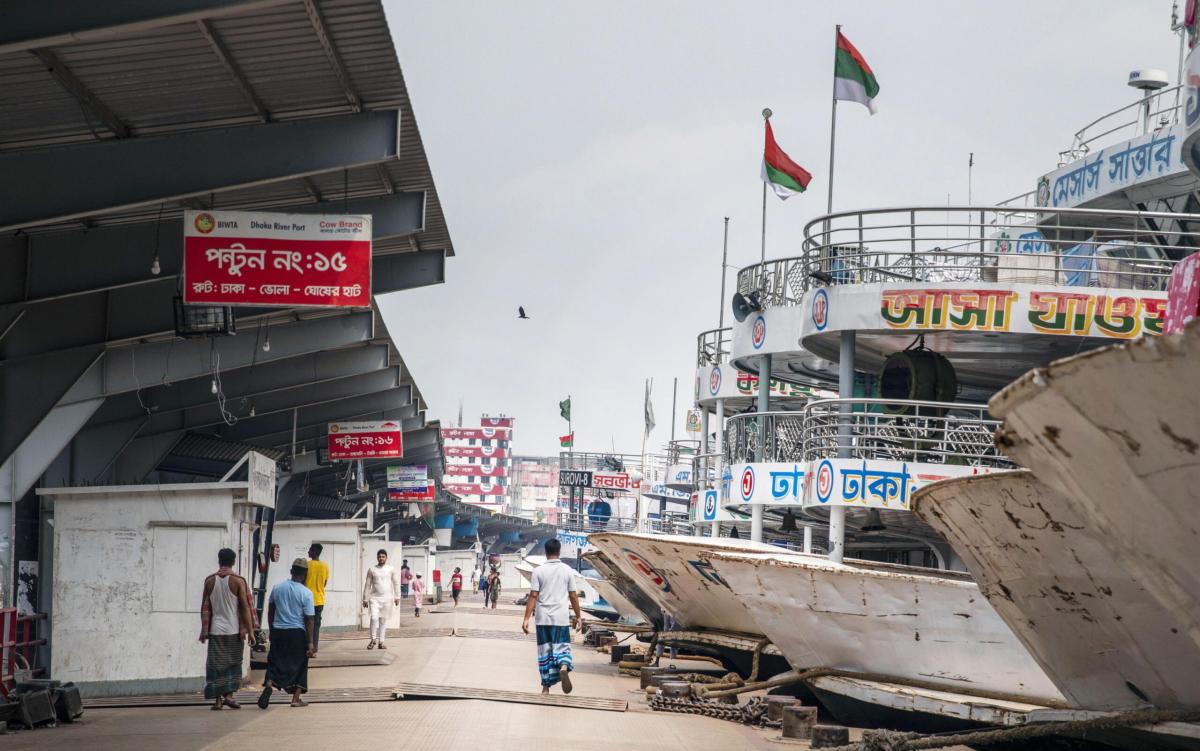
{"points": [[456, 582], [418, 590], [406, 577], [225, 621], [476, 573], [290, 616], [381, 591], [493, 588], [318, 577], [550, 592], [483, 586]]}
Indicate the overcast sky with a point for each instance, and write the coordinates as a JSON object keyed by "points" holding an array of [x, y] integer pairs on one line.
{"points": [[585, 155]]}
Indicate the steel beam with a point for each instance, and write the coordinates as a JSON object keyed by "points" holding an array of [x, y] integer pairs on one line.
{"points": [[249, 430], [91, 261], [141, 456], [231, 67], [271, 403], [151, 169], [144, 310], [93, 450], [26, 24], [260, 378], [30, 388], [126, 369], [331, 53], [87, 99], [23, 466], [314, 432]]}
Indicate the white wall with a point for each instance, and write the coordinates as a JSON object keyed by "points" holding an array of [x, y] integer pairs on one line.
{"points": [[340, 539], [128, 574]]}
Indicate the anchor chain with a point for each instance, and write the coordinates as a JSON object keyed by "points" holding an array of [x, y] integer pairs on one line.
{"points": [[753, 712]]}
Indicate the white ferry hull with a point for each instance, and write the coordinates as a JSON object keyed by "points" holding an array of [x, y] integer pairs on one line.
{"points": [[893, 621], [1076, 600], [674, 572], [613, 596]]}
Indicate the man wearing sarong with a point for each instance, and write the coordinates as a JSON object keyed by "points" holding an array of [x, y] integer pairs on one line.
{"points": [[226, 619], [550, 592], [381, 591], [290, 616]]}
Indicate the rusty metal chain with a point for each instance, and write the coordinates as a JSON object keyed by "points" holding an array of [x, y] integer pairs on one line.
{"points": [[753, 712]]}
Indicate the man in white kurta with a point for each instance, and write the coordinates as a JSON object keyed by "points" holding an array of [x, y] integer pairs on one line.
{"points": [[381, 592]]}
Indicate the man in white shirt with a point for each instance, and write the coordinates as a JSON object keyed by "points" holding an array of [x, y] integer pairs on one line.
{"points": [[551, 591], [381, 591]]}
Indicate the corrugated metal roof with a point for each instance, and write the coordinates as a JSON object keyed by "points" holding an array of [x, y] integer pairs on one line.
{"points": [[196, 446], [171, 79]]}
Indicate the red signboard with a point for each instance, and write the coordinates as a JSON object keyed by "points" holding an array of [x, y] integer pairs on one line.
{"points": [[498, 434], [614, 481], [465, 488], [496, 422], [494, 452], [476, 470], [412, 494], [285, 260], [365, 440]]}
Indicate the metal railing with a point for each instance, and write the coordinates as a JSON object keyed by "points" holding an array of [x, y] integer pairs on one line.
{"points": [[936, 245], [712, 347], [1128, 121], [780, 435], [584, 524], [928, 432]]}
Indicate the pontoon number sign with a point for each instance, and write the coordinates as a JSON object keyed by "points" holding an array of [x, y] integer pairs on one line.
{"points": [[365, 440]]}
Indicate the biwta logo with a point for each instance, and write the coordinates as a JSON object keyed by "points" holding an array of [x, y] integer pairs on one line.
{"points": [[205, 223]]}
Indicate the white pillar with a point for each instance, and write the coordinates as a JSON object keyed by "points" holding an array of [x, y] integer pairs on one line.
{"points": [[764, 396], [837, 514], [719, 448], [807, 539]]}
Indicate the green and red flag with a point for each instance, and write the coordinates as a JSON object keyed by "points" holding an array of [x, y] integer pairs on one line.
{"points": [[853, 80], [784, 176], [567, 441]]}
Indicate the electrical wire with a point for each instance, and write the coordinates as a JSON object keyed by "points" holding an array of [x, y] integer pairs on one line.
{"points": [[214, 358]]}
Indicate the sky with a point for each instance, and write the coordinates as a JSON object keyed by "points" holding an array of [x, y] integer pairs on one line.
{"points": [[586, 155]]}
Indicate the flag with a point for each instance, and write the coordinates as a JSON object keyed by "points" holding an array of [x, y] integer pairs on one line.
{"points": [[564, 409], [567, 441], [853, 80], [784, 176], [649, 408]]}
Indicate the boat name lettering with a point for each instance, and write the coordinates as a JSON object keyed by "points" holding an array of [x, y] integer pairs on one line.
{"points": [[887, 486], [965, 310], [788, 483]]}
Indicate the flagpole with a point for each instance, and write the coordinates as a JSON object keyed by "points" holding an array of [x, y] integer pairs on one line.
{"points": [[724, 261], [766, 113], [837, 30]]}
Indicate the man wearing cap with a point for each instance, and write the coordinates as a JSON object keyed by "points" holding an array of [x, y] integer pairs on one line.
{"points": [[290, 615]]}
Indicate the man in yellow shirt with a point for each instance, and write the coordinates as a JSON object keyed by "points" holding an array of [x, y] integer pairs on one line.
{"points": [[318, 577]]}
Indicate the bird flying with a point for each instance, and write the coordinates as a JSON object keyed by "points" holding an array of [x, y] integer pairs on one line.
{"points": [[521, 313]]}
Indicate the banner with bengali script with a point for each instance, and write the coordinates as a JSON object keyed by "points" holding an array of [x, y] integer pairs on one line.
{"points": [[497, 434], [477, 470], [1151, 156], [365, 440], [494, 452], [284, 260], [496, 422], [875, 483]]}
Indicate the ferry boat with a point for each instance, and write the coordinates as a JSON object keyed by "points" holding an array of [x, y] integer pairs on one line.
{"points": [[919, 315]]}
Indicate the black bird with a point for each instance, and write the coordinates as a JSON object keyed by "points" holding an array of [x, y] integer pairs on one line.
{"points": [[521, 313]]}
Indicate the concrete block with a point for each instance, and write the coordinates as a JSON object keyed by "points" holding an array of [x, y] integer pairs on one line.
{"points": [[829, 736], [676, 689], [776, 704], [798, 721], [619, 652]]}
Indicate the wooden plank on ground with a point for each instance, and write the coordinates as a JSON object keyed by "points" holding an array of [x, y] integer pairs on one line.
{"points": [[425, 691]]}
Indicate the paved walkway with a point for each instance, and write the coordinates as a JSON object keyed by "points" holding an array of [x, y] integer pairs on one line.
{"points": [[417, 725]]}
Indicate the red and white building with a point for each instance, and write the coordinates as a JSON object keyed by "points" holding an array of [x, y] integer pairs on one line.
{"points": [[478, 461]]}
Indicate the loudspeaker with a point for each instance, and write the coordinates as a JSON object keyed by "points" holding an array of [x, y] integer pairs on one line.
{"points": [[917, 375], [873, 522], [744, 305]]}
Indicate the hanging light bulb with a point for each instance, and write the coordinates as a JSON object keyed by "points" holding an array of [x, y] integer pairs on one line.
{"points": [[252, 412], [267, 344], [155, 268], [214, 385]]}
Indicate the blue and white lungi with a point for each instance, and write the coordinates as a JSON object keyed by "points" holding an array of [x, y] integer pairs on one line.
{"points": [[553, 652]]}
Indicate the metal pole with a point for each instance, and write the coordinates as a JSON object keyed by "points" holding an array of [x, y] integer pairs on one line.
{"points": [[724, 260], [837, 514], [766, 113], [720, 450], [764, 395], [807, 539], [837, 31], [674, 393]]}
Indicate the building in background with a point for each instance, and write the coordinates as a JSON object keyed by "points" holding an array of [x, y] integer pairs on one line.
{"points": [[533, 489], [477, 461]]}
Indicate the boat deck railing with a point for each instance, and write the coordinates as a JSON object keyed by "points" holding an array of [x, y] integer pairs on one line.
{"points": [[884, 429], [1128, 121], [587, 524], [1086, 248], [712, 347]]}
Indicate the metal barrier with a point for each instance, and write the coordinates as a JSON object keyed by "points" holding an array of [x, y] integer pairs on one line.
{"points": [[926, 432], [780, 435], [1128, 121], [935, 245], [584, 524], [712, 347], [17, 640]]}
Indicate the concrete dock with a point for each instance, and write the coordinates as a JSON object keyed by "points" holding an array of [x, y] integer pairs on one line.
{"points": [[492, 656]]}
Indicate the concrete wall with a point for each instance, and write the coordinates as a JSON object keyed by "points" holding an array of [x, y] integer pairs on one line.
{"points": [[340, 539], [129, 569]]}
